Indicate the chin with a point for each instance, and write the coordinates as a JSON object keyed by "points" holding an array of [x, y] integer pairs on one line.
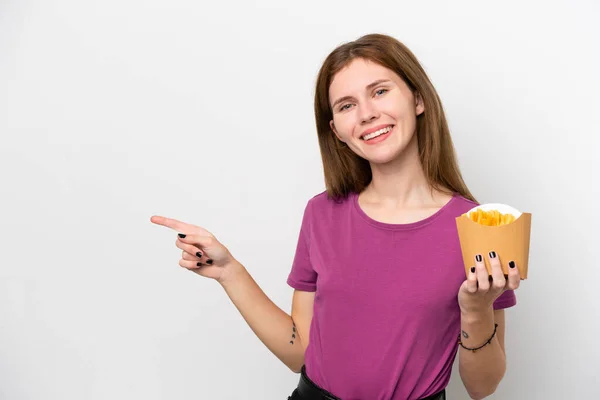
{"points": [[383, 160], [385, 157]]}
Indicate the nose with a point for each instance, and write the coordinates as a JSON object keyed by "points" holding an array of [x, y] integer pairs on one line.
{"points": [[367, 112]]}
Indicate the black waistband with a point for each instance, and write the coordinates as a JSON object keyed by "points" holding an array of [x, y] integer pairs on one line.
{"points": [[309, 390]]}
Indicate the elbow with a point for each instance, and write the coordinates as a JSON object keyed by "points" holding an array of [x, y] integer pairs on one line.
{"points": [[477, 396], [481, 395], [482, 388], [296, 369], [296, 365]]}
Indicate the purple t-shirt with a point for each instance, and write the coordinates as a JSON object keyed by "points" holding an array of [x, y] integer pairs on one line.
{"points": [[386, 315]]}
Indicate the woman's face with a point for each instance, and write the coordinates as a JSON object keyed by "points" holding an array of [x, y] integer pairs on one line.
{"points": [[368, 100]]}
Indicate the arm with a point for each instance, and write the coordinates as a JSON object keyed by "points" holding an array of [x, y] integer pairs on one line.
{"points": [[206, 256], [274, 327], [481, 371], [302, 313]]}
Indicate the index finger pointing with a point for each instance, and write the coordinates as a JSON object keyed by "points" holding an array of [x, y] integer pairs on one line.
{"points": [[170, 223]]}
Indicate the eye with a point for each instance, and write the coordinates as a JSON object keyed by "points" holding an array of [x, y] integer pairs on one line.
{"points": [[381, 90], [342, 108]]}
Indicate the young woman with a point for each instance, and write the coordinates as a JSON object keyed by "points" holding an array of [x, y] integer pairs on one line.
{"points": [[381, 305]]}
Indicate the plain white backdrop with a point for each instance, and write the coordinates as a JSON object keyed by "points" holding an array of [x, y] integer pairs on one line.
{"points": [[113, 111]]}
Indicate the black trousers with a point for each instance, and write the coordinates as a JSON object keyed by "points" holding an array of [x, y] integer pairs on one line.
{"points": [[308, 390]]}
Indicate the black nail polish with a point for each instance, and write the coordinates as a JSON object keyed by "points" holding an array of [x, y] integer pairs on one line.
{"points": [[490, 278], [511, 264], [199, 264], [478, 257], [181, 235], [198, 254], [492, 254], [209, 261], [473, 269]]}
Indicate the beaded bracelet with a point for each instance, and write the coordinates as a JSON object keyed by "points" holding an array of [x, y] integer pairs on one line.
{"points": [[477, 348]]}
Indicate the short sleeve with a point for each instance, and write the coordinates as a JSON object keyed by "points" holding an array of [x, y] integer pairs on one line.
{"points": [[302, 275], [506, 300]]}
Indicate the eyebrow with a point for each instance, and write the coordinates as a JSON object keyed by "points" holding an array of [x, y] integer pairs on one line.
{"points": [[369, 86]]}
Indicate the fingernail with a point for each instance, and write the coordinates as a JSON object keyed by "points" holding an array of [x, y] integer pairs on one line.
{"points": [[199, 264], [209, 261], [473, 269], [492, 254], [511, 264], [181, 235], [198, 254], [478, 257]]}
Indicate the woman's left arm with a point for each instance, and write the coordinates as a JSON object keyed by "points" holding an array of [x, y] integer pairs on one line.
{"points": [[482, 370], [483, 328]]}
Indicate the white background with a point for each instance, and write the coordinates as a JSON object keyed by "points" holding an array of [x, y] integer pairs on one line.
{"points": [[112, 111]]}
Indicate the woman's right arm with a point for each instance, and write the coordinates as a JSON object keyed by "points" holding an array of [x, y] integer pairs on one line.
{"points": [[284, 335]]}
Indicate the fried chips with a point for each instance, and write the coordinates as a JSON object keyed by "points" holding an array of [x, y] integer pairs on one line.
{"points": [[490, 218]]}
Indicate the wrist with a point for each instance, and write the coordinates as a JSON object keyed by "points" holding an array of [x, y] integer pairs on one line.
{"points": [[477, 316], [477, 329], [231, 273]]}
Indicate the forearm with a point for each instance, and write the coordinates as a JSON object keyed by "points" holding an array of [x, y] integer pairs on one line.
{"points": [[272, 326], [482, 370]]}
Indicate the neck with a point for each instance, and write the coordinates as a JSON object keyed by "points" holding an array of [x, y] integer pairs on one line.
{"points": [[401, 183]]}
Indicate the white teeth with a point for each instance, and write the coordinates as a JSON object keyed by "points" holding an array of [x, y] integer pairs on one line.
{"points": [[377, 133]]}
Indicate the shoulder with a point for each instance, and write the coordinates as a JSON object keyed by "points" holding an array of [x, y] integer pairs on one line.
{"points": [[460, 204], [324, 211], [321, 202], [319, 198]]}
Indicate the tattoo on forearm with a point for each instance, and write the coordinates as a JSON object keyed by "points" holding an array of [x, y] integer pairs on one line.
{"points": [[293, 332], [466, 336]]}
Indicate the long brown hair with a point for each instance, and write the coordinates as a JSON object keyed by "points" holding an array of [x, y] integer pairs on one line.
{"points": [[347, 172]]}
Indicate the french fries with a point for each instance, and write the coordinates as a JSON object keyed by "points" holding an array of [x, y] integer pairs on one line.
{"points": [[490, 218]]}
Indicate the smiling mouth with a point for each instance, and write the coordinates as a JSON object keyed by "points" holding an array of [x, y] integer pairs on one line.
{"points": [[378, 133]]}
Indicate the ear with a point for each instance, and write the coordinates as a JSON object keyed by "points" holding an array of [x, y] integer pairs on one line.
{"points": [[332, 126], [419, 106]]}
